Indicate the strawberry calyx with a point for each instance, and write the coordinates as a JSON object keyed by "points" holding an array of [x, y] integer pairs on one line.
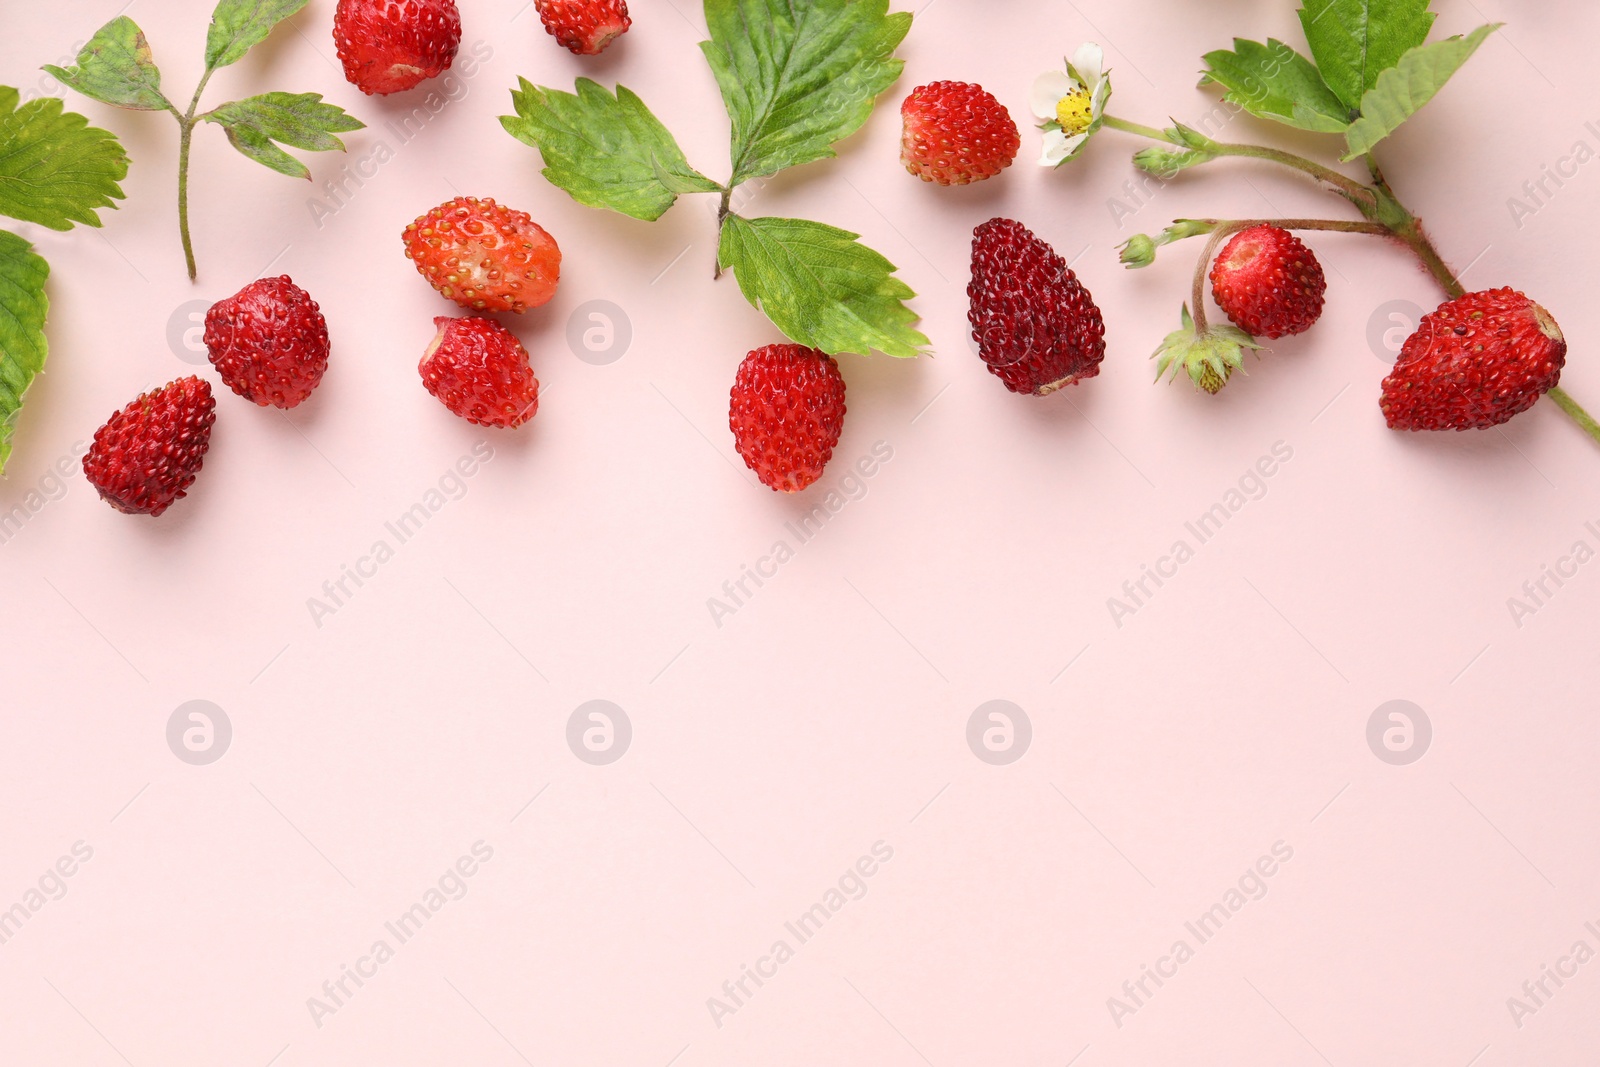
{"points": [[1208, 354]]}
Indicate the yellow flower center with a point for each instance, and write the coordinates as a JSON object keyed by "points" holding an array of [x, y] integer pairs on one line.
{"points": [[1075, 112]]}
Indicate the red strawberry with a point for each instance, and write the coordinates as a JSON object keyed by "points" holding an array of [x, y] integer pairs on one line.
{"points": [[479, 370], [956, 133], [483, 256], [1269, 283], [389, 46], [786, 414], [584, 27], [1036, 326], [269, 342], [147, 455], [1474, 363]]}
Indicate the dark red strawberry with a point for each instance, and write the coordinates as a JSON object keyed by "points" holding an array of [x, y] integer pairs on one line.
{"points": [[1269, 283], [269, 342], [389, 46], [786, 414], [479, 370], [146, 456], [1474, 363], [956, 133], [584, 27], [1036, 326], [483, 256]]}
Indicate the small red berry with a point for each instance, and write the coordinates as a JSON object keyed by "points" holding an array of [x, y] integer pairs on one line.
{"points": [[479, 370], [956, 133], [584, 27], [146, 456], [1036, 326], [269, 342], [389, 46], [786, 414], [483, 256], [1269, 283], [1476, 362]]}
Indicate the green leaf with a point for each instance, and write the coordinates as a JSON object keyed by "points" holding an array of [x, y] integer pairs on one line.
{"points": [[1354, 41], [821, 286], [299, 121], [116, 67], [239, 25], [1273, 81], [1404, 90], [55, 168], [605, 151], [23, 306], [799, 75]]}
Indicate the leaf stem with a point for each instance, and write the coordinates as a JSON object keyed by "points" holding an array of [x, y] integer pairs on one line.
{"points": [[186, 125], [723, 212]]}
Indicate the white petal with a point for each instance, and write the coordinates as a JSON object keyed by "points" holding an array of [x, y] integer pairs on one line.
{"points": [[1055, 148], [1071, 145], [1048, 89], [1102, 94], [1089, 61]]}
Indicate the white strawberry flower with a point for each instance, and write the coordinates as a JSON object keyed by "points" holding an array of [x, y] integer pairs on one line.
{"points": [[1071, 104]]}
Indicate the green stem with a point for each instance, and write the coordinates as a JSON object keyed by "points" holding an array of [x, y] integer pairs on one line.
{"points": [[1574, 410], [1360, 195], [186, 125], [187, 131]]}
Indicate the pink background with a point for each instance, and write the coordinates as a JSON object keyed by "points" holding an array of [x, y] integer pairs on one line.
{"points": [[830, 712]]}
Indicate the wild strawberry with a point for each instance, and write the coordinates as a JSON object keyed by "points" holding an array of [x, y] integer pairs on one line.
{"points": [[483, 256], [956, 133], [269, 342], [1036, 326], [584, 27], [479, 370], [388, 46], [1269, 283], [786, 414], [147, 455], [1474, 363]]}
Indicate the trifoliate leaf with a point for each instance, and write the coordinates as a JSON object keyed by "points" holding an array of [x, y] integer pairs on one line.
{"points": [[1354, 41], [1405, 89], [55, 168], [239, 25], [1273, 81], [23, 306], [605, 151], [821, 286], [799, 75], [300, 121], [116, 67]]}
